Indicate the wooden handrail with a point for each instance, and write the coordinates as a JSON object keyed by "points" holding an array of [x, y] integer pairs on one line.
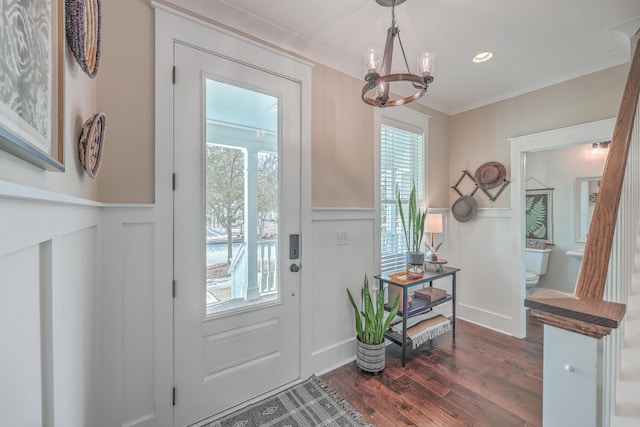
{"points": [[595, 263], [586, 316], [585, 312]]}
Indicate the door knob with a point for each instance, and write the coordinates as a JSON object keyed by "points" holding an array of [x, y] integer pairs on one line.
{"points": [[294, 268]]}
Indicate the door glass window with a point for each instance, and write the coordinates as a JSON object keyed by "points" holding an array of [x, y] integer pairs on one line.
{"points": [[241, 197]]}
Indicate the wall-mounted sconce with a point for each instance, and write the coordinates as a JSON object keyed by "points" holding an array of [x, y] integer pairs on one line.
{"points": [[597, 147]]}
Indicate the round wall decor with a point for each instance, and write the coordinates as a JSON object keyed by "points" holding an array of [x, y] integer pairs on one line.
{"points": [[83, 22], [91, 142]]}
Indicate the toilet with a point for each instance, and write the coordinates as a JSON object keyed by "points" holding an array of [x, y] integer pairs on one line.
{"points": [[536, 262]]}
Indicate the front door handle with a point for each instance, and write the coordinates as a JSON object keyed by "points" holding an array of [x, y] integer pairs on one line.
{"points": [[294, 268]]}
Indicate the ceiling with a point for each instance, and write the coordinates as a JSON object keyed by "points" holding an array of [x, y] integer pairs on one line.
{"points": [[536, 43]]}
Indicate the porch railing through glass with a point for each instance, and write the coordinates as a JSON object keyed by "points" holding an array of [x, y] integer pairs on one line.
{"points": [[264, 285]]}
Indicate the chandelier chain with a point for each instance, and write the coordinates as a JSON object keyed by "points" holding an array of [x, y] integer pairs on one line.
{"points": [[396, 31], [393, 13]]}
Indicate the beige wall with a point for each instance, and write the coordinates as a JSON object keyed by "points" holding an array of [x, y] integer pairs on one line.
{"points": [[438, 167], [342, 141], [342, 126], [126, 95], [123, 89], [343, 145], [80, 104], [481, 135]]}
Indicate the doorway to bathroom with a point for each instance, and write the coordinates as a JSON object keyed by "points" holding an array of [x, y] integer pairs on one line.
{"points": [[562, 171], [556, 159]]}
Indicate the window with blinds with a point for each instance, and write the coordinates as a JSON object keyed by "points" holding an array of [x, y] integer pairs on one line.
{"points": [[401, 165]]}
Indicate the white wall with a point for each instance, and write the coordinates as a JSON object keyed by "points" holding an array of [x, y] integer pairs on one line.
{"points": [[50, 358], [77, 312], [128, 318], [484, 251], [334, 269]]}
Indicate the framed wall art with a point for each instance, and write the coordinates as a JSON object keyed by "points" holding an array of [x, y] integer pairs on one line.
{"points": [[539, 215], [32, 81]]}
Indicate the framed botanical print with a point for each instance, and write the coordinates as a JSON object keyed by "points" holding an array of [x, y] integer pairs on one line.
{"points": [[539, 215], [32, 81]]}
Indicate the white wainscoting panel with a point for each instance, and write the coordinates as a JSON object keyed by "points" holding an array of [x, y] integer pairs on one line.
{"points": [[486, 280], [334, 269], [138, 353], [128, 317], [77, 312], [76, 361], [50, 360], [20, 357]]}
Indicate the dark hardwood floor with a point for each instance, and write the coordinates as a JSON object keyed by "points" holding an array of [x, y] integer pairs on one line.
{"points": [[485, 379]]}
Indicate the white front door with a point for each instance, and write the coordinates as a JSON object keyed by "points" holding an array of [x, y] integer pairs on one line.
{"points": [[236, 204]]}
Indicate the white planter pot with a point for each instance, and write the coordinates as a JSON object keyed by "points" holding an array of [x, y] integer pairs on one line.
{"points": [[370, 357]]}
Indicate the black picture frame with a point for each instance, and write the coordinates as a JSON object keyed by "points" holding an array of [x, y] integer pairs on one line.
{"points": [[539, 215]]}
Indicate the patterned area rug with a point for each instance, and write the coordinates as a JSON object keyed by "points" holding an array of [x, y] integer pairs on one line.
{"points": [[309, 404]]}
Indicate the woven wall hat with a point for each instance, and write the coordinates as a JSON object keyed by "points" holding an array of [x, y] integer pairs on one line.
{"points": [[490, 175], [91, 142], [464, 208], [83, 27]]}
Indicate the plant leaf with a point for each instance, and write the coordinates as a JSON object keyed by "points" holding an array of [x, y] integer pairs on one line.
{"points": [[357, 314], [401, 214], [371, 322], [413, 225], [392, 314]]}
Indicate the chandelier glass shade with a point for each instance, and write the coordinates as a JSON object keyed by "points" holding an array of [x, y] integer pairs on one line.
{"points": [[377, 90]]}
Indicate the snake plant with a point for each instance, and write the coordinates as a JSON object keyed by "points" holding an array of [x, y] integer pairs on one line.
{"points": [[413, 225], [370, 321]]}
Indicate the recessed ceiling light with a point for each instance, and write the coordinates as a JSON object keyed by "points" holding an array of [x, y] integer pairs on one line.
{"points": [[482, 57]]}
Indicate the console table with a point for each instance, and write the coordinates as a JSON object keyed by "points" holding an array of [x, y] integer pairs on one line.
{"points": [[418, 306]]}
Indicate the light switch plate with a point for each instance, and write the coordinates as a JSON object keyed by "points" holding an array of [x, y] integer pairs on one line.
{"points": [[343, 238]]}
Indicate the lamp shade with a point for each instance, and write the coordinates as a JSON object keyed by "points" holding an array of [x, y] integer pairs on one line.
{"points": [[371, 61], [433, 224], [425, 64]]}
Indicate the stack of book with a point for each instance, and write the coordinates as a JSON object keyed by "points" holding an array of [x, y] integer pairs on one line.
{"points": [[430, 294]]}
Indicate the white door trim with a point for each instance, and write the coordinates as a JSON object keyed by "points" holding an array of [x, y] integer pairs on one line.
{"points": [[171, 25]]}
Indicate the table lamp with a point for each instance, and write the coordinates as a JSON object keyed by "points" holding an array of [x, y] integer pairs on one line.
{"points": [[433, 225]]}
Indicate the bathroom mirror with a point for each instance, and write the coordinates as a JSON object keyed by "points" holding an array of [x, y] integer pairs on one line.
{"points": [[586, 195]]}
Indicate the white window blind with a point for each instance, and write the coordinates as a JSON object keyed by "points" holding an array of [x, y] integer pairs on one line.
{"points": [[402, 164]]}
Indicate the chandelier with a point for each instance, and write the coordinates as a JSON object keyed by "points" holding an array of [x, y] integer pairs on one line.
{"points": [[376, 91]]}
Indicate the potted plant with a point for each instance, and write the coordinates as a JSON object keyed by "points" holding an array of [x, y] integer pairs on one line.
{"points": [[371, 325], [413, 227]]}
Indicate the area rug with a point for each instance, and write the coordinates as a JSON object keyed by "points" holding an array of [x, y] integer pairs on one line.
{"points": [[309, 404]]}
